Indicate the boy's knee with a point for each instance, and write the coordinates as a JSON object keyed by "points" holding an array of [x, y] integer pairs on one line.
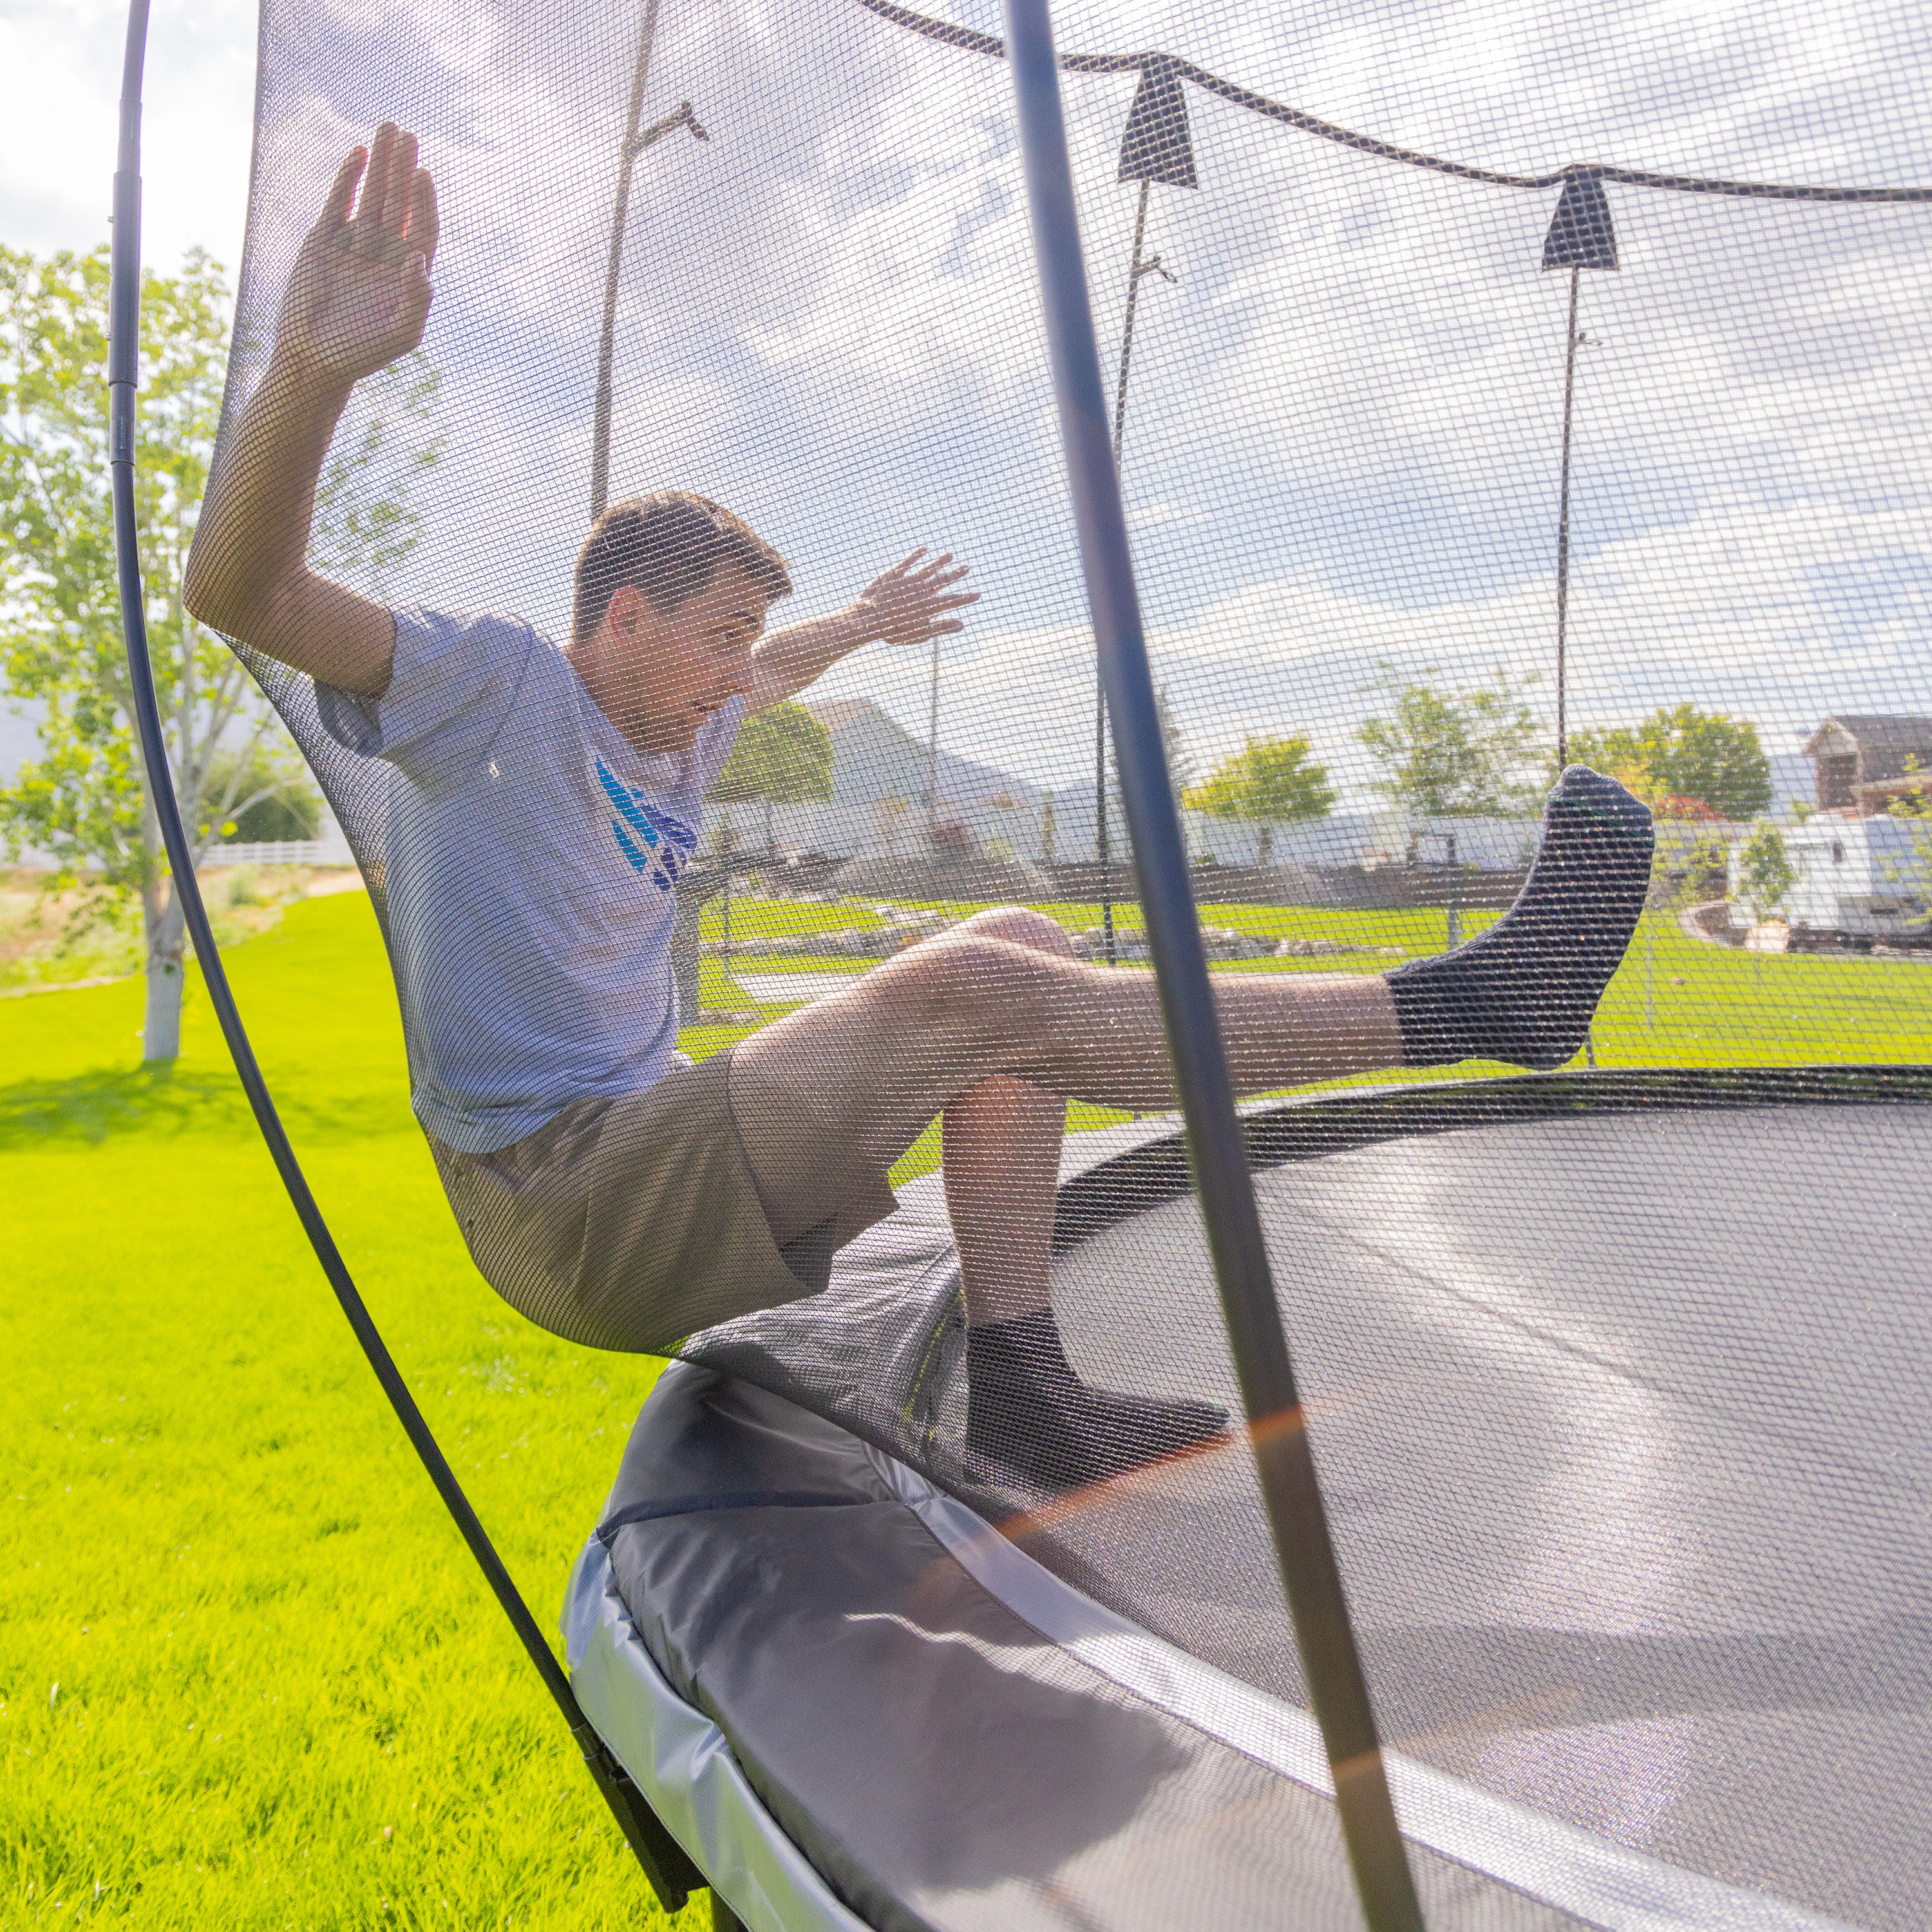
{"points": [[1020, 926], [973, 968]]}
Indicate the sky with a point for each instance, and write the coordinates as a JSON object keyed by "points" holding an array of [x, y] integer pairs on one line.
{"points": [[1344, 424], [57, 142], [57, 138]]}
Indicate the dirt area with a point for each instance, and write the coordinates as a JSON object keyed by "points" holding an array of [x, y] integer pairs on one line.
{"points": [[51, 941]]}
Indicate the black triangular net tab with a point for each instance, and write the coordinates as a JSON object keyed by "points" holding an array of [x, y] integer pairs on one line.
{"points": [[1158, 145], [1580, 234], [1588, 1110]]}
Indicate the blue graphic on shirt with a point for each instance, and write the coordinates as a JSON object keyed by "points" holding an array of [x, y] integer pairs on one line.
{"points": [[655, 844]]}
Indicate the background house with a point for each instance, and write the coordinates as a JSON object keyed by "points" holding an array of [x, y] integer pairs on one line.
{"points": [[1863, 762]]}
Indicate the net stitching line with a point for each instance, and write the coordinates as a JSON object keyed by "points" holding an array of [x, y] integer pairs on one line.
{"points": [[1153, 65]]}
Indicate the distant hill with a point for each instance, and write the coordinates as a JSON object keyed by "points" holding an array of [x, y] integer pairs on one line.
{"points": [[874, 757]]}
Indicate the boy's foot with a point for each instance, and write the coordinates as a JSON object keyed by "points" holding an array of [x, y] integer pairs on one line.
{"points": [[1028, 1414], [1526, 990]]}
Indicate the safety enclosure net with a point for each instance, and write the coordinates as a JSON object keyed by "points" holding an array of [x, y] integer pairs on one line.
{"points": [[1494, 392]]}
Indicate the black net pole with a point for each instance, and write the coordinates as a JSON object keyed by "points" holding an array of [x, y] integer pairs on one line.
{"points": [[1100, 685], [1134, 271], [1563, 533], [670, 1872], [1284, 1460], [1103, 848]]}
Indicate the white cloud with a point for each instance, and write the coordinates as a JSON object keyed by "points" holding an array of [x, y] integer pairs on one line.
{"points": [[1343, 428], [57, 137]]}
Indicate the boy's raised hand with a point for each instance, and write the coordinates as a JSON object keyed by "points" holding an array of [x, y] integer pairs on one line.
{"points": [[908, 603], [360, 292]]}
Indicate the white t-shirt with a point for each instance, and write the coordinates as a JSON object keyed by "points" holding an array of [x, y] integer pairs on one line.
{"points": [[531, 853]]}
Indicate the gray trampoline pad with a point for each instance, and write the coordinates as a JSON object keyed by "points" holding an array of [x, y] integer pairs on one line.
{"points": [[944, 1763], [1622, 1421], [1618, 1404]]}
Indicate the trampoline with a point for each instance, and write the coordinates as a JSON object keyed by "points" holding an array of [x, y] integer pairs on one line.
{"points": [[1637, 1663], [1570, 1573]]}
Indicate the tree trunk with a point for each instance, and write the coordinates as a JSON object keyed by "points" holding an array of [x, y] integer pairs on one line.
{"points": [[163, 927], [1265, 857]]}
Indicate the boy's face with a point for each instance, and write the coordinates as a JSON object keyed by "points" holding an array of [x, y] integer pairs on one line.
{"points": [[663, 672]]}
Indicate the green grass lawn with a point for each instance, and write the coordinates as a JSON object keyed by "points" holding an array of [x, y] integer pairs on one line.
{"points": [[248, 1677], [284, 1699]]}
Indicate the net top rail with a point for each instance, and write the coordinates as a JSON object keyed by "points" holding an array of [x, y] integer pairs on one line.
{"points": [[1157, 67]]}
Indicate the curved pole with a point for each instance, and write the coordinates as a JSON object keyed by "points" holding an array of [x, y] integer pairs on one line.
{"points": [[671, 1874], [1100, 841], [634, 145], [1141, 267], [1285, 1463], [1137, 272], [600, 423]]}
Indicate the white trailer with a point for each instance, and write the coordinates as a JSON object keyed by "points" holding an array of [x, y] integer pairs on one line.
{"points": [[1858, 879]]}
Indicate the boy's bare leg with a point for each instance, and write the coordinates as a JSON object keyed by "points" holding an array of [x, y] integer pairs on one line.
{"points": [[969, 1022], [867, 1069], [995, 1024], [1002, 1141]]}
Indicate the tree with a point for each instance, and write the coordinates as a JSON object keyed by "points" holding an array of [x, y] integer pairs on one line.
{"points": [[84, 800], [783, 757], [1457, 754], [1912, 868], [284, 802], [1765, 870], [1270, 781], [1706, 871], [1685, 763]]}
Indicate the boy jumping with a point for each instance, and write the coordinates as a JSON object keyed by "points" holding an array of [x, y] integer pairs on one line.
{"points": [[542, 805]]}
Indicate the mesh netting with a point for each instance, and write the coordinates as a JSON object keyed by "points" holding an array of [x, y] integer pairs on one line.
{"points": [[1504, 391]]}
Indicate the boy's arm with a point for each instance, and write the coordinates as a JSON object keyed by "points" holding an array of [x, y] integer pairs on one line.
{"points": [[905, 605], [357, 299]]}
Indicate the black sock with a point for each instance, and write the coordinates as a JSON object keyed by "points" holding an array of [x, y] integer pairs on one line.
{"points": [[1526, 991], [1029, 1413]]}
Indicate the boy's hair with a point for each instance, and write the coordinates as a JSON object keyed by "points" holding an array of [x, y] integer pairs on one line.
{"points": [[669, 545]]}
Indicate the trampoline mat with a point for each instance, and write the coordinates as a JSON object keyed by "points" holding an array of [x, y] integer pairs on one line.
{"points": [[1621, 1420]]}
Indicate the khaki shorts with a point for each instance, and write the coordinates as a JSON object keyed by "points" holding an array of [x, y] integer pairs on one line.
{"points": [[630, 1223]]}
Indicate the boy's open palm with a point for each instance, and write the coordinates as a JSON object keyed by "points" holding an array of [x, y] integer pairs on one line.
{"points": [[361, 293], [909, 603]]}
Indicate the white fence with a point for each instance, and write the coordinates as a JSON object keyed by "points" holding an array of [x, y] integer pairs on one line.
{"points": [[1022, 830], [281, 852], [1489, 844]]}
